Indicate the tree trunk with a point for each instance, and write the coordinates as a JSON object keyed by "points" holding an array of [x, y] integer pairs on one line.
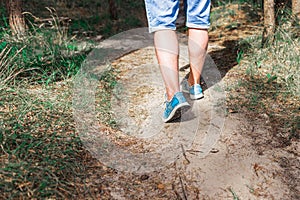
{"points": [[269, 22], [296, 9], [16, 18], [113, 9]]}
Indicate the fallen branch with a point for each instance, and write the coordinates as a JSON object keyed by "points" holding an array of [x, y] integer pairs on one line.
{"points": [[182, 187], [184, 155]]}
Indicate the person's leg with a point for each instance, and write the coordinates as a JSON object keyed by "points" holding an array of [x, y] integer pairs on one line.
{"points": [[198, 22], [162, 15], [197, 45], [166, 47]]}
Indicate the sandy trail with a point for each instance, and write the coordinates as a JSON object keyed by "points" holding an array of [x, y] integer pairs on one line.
{"points": [[205, 155]]}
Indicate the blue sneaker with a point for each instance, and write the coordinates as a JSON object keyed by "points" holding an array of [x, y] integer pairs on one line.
{"points": [[174, 107], [195, 90]]}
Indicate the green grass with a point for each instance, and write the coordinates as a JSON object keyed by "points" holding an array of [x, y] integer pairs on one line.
{"points": [[270, 84], [279, 62], [41, 155], [226, 2], [40, 152], [104, 92], [42, 55], [235, 197]]}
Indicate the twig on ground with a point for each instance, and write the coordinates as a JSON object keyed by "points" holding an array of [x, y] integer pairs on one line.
{"points": [[175, 191], [184, 155], [194, 152], [183, 189]]}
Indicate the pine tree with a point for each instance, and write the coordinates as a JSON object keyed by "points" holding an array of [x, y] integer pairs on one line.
{"points": [[269, 22], [296, 8], [113, 9], [16, 18]]}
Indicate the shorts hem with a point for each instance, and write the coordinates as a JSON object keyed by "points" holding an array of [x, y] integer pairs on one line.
{"points": [[197, 26], [154, 29]]}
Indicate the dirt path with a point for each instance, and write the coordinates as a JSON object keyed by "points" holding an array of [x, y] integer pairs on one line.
{"points": [[232, 167], [229, 167], [211, 153]]}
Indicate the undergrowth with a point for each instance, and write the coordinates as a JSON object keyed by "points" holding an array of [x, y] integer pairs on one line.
{"points": [[270, 86], [103, 96], [42, 55], [41, 156]]}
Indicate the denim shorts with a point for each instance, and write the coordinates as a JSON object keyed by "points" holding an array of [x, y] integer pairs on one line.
{"points": [[162, 14]]}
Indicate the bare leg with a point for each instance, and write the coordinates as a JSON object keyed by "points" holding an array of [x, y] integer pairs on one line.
{"points": [[197, 44], [166, 46]]}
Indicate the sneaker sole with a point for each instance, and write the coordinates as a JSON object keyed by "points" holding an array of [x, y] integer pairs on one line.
{"points": [[195, 97], [185, 91], [176, 112]]}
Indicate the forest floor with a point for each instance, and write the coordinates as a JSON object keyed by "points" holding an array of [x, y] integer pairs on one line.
{"points": [[250, 157], [247, 161]]}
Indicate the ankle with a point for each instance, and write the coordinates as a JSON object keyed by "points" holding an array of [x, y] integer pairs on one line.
{"points": [[192, 81], [169, 96]]}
